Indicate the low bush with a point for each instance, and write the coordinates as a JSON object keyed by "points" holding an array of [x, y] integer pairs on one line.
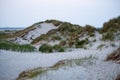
{"points": [[89, 29], [46, 48], [108, 36], [56, 38], [94, 40], [5, 45], [58, 48], [65, 26], [91, 34], [113, 45], [68, 27], [63, 43], [112, 25], [80, 44], [100, 46], [55, 22], [42, 37], [71, 43]]}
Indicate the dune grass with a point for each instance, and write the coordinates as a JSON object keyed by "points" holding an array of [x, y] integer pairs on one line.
{"points": [[30, 74], [6, 45]]}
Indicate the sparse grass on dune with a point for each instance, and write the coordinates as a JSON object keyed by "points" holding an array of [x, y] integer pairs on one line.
{"points": [[63, 63], [82, 43], [23, 32], [112, 25], [40, 38], [3, 36], [55, 22]]}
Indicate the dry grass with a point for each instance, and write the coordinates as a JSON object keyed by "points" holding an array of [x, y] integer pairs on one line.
{"points": [[115, 56], [118, 77], [23, 32], [26, 75], [112, 25], [31, 73]]}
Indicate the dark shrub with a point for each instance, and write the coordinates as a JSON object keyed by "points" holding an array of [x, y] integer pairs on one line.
{"points": [[56, 38], [65, 26], [62, 43], [108, 36], [94, 40], [71, 43], [46, 48], [112, 25], [58, 48], [113, 45], [91, 34], [55, 22], [89, 29], [68, 27], [80, 44], [42, 37]]}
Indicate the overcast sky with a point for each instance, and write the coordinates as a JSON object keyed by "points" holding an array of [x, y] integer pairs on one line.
{"points": [[23, 13]]}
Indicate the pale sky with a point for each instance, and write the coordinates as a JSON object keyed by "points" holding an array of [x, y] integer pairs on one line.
{"points": [[23, 13]]}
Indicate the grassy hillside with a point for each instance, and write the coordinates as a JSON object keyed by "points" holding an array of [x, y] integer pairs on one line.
{"points": [[111, 29], [69, 35]]}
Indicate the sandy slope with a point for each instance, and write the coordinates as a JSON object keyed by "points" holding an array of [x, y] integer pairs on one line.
{"points": [[87, 70], [43, 28], [13, 63]]}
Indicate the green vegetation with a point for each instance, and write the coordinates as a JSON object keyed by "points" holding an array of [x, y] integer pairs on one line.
{"points": [[68, 27], [112, 25], [110, 28], [89, 29], [108, 36], [48, 48], [58, 48], [94, 40], [5, 35], [62, 43], [55, 22], [82, 43], [68, 34], [113, 45], [5, 45], [91, 34], [56, 38], [42, 37], [100, 46], [71, 43]]}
